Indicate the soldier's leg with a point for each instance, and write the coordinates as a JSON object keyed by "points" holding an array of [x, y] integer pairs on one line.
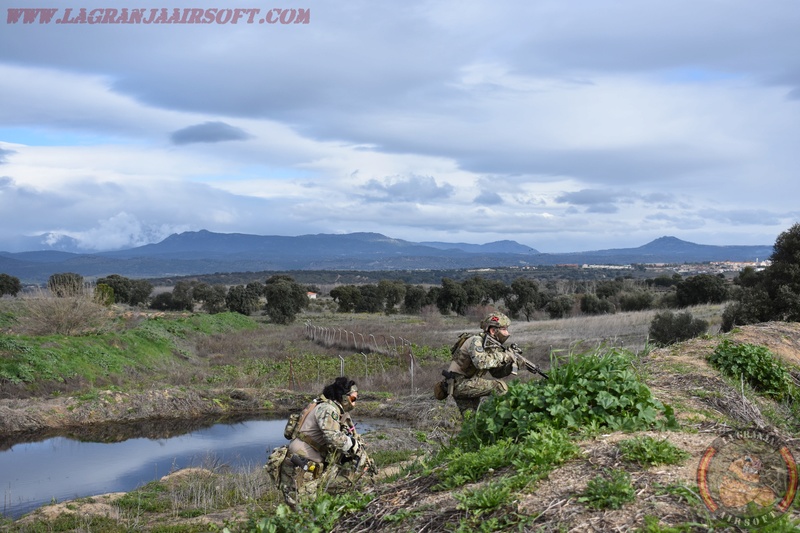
{"points": [[468, 392], [297, 485]]}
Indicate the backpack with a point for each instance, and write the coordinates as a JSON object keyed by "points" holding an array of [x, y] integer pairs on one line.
{"points": [[461, 340], [296, 420]]}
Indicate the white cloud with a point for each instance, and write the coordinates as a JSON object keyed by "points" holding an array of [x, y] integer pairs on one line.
{"points": [[562, 126]]}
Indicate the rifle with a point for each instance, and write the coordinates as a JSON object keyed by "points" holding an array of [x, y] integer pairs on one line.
{"points": [[529, 366]]}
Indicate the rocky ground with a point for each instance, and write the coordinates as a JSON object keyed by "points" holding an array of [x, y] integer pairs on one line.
{"points": [[704, 403]]}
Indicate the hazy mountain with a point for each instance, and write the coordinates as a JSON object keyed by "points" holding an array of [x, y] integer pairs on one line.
{"points": [[204, 252], [497, 247]]}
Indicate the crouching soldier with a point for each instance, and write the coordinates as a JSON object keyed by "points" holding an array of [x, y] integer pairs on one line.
{"points": [[475, 357], [326, 453]]}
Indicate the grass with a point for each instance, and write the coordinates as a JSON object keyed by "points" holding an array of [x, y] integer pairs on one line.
{"points": [[134, 349]]}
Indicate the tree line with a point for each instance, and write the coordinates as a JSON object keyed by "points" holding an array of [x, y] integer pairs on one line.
{"points": [[755, 296], [282, 298]]}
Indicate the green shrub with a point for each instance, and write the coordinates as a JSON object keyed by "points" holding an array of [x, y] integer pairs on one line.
{"points": [[587, 393], [648, 451], [756, 365], [668, 328], [609, 491]]}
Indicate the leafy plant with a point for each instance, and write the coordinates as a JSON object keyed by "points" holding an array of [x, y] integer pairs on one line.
{"points": [[486, 498], [470, 466], [648, 451], [586, 393], [609, 491], [318, 516], [756, 365]]}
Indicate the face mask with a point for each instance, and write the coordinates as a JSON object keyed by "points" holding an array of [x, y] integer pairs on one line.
{"points": [[347, 404], [501, 336]]}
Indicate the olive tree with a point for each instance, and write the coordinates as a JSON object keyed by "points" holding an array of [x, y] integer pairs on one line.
{"points": [[285, 299], [701, 289], [9, 285], [774, 293]]}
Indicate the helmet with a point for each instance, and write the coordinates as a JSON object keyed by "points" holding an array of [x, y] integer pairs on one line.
{"points": [[495, 320]]}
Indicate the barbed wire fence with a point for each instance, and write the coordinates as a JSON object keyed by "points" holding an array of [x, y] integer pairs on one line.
{"points": [[365, 344]]}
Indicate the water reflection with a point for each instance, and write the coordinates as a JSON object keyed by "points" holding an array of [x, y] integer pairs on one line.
{"points": [[107, 459]]}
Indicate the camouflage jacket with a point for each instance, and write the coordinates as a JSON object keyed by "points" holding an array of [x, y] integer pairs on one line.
{"points": [[323, 432], [478, 355]]}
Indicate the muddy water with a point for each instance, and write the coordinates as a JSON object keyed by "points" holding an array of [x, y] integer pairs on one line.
{"points": [[116, 458]]}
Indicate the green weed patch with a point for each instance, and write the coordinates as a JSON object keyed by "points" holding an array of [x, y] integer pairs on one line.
{"points": [[756, 365], [587, 393]]}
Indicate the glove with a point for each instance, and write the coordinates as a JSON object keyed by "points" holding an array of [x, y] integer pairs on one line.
{"points": [[354, 448]]}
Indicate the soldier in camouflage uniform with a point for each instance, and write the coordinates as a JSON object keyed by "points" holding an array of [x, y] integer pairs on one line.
{"points": [[327, 449], [479, 355]]}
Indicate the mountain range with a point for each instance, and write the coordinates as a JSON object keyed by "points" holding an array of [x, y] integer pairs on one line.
{"points": [[205, 252]]}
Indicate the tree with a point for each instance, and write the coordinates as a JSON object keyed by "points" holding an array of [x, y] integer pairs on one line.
{"points": [[453, 297], [211, 297], [162, 301], [103, 295], [65, 284], [636, 301], [782, 277], [477, 291], [285, 299], [240, 300], [9, 285], [347, 297], [524, 297], [497, 290], [701, 289], [182, 299], [560, 306], [393, 293], [774, 293], [140, 292], [609, 289], [668, 328], [121, 286], [592, 305], [372, 299], [414, 299]]}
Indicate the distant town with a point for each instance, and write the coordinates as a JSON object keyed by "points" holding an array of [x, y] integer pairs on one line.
{"points": [[691, 269]]}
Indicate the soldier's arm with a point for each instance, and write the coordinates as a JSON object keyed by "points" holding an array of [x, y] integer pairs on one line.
{"points": [[485, 359], [330, 423]]}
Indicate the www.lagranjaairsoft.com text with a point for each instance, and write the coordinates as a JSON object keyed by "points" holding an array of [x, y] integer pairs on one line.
{"points": [[157, 15]]}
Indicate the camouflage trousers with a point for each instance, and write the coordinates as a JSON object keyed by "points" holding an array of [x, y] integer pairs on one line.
{"points": [[302, 486], [468, 392]]}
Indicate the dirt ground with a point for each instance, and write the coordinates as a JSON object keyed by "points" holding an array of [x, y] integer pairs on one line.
{"points": [[679, 376]]}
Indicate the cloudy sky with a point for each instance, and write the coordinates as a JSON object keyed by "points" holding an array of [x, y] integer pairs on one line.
{"points": [[566, 125]]}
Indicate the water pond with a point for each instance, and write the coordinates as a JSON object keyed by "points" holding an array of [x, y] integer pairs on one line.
{"points": [[117, 458]]}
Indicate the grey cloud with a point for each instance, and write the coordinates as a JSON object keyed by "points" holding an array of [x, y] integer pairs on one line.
{"points": [[602, 208], [687, 222], [588, 197], [421, 189], [4, 154], [758, 217], [488, 198], [208, 132]]}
